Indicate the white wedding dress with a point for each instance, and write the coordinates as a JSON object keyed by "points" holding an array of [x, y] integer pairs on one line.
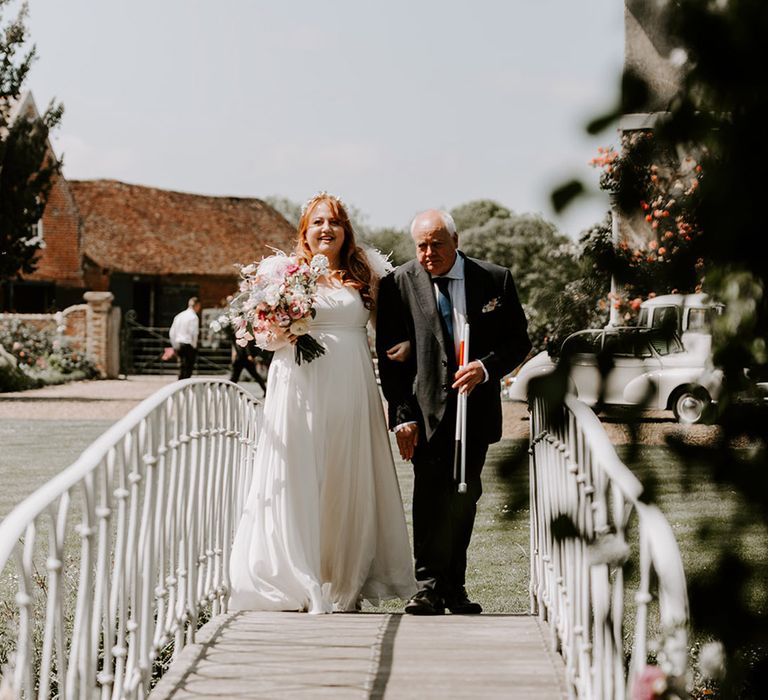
{"points": [[323, 524]]}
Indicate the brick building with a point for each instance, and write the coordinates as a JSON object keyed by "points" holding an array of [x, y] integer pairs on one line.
{"points": [[151, 248], [154, 248]]}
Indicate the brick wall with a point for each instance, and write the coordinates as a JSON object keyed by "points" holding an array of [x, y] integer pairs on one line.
{"points": [[59, 261], [75, 326], [93, 328]]}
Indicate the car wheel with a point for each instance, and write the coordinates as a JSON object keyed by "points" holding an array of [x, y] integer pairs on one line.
{"points": [[692, 405]]}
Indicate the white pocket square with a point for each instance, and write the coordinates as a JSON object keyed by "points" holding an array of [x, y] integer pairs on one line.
{"points": [[491, 305]]}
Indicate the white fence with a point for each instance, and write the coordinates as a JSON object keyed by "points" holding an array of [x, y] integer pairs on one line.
{"points": [[137, 533], [583, 499]]}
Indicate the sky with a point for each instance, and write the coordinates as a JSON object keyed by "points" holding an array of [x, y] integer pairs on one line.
{"points": [[396, 107]]}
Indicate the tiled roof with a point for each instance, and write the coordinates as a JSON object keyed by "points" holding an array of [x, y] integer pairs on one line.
{"points": [[136, 229]]}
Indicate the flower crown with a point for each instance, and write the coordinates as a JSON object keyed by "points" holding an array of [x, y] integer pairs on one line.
{"points": [[321, 195]]}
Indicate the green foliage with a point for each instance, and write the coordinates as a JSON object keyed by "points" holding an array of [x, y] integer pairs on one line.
{"points": [[394, 242], [12, 378], [718, 115], [477, 213], [543, 261], [26, 165], [583, 302]]}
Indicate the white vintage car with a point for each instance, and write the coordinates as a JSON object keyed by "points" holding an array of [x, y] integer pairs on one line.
{"points": [[692, 315], [646, 362]]}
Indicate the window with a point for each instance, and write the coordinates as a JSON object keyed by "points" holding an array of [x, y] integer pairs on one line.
{"points": [[630, 344], [36, 234], [667, 317], [698, 319]]}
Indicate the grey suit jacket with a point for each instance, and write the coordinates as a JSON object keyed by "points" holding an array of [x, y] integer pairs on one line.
{"points": [[420, 389]]}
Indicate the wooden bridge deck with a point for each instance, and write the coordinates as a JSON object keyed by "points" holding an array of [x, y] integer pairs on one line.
{"points": [[366, 655]]}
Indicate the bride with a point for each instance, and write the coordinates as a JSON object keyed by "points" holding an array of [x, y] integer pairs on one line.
{"points": [[323, 525]]}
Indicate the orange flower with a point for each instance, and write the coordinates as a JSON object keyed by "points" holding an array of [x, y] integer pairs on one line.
{"points": [[662, 250]]}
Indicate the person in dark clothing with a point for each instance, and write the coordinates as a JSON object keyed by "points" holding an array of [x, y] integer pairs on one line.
{"points": [[420, 304], [248, 358]]}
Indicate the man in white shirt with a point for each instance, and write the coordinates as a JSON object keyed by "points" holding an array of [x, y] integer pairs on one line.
{"points": [[183, 334]]}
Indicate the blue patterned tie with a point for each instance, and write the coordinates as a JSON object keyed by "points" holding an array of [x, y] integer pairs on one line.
{"points": [[444, 304]]}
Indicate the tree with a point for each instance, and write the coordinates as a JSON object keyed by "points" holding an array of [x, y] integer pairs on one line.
{"points": [[478, 212], [542, 260], [27, 165], [394, 242], [583, 302], [719, 112]]}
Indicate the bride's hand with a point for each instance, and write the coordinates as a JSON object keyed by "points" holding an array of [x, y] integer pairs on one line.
{"points": [[400, 352], [291, 338]]}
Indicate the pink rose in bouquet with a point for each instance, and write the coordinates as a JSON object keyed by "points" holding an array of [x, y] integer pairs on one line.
{"points": [[277, 297]]}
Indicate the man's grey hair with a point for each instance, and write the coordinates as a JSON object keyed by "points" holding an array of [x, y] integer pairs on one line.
{"points": [[450, 224]]}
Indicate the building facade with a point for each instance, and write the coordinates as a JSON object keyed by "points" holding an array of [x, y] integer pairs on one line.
{"points": [[151, 248]]}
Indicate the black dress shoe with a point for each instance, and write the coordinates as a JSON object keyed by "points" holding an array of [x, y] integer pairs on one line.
{"points": [[425, 602], [460, 604]]}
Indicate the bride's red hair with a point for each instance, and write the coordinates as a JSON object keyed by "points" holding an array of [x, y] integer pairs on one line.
{"points": [[354, 268]]}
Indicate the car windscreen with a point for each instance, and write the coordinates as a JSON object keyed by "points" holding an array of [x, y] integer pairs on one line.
{"points": [[582, 343]]}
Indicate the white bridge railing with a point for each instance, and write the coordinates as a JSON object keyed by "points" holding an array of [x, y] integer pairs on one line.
{"points": [[582, 501], [121, 553]]}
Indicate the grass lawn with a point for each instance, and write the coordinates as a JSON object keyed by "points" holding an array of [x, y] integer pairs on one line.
{"points": [[705, 517], [34, 451]]}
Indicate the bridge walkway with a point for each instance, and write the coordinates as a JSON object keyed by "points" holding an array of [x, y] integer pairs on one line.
{"points": [[366, 655]]}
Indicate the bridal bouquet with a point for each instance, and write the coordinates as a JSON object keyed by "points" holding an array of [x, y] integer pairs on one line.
{"points": [[277, 297]]}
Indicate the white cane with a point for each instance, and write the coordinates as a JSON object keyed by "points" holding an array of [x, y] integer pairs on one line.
{"points": [[460, 449]]}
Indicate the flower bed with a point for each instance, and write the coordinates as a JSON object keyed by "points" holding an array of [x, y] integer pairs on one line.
{"points": [[35, 356]]}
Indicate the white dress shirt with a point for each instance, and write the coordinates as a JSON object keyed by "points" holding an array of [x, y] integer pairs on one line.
{"points": [[184, 329]]}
